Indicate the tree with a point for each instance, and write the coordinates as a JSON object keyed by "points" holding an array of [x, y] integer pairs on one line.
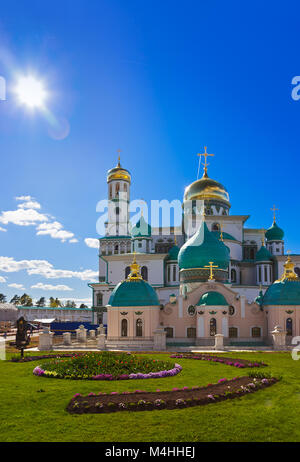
{"points": [[41, 302], [70, 304], [83, 305], [16, 300], [26, 300], [2, 298], [54, 302]]}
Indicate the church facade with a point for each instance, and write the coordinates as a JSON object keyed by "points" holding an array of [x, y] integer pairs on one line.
{"points": [[211, 275]]}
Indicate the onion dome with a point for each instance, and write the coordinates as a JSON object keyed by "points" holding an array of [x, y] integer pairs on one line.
{"points": [[8, 312], [263, 254], [134, 291], [212, 299], [118, 173], [274, 233], [285, 291], [206, 189], [173, 253], [141, 229], [201, 249]]}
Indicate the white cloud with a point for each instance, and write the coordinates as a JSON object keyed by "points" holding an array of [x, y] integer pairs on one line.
{"points": [[2, 279], [90, 242], [30, 205], [45, 269], [22, 217], [42, 286], [27, 215], [3, 229], [16, 286], [55, 230]]}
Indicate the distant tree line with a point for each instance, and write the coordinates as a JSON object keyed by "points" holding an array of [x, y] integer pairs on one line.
{"points": [[26, 300]]}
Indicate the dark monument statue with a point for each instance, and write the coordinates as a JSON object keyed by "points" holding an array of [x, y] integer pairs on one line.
{"points": [[22, 338]]}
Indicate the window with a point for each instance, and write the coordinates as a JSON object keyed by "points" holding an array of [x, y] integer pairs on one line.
{"points": [[252, 254], [117, 188], [259, 274], [144, 273], [139, 244], [191, 332], [191, 310], [116, 248], [233, 332], [99, 299], [174, 273], [215, 227], [127, 271], [110, 191], [289, 326], [169, 331], [117, 210], [256, 332], [169, 273], [231, 310], [233, 275], [125, 187], [212, 327], [124, 328], [266, 273], [139, 328]]}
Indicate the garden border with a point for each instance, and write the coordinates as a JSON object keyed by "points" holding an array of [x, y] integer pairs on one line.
{"points": [[240, 363]]}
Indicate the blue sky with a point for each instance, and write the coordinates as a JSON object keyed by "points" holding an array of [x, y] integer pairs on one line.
{"points": [[159, 80]]}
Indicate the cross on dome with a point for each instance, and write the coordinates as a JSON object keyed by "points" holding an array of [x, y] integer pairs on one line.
{"points": [[205, 155]]}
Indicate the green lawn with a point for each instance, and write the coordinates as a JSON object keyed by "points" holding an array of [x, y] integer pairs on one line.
{"points": [[272, 414]]}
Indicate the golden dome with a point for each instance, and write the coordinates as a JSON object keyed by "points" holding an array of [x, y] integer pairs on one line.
{"points": [[118, 173], [206, 189]]}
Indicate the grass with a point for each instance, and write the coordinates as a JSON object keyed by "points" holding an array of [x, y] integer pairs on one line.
{"points": [[273, 414]]}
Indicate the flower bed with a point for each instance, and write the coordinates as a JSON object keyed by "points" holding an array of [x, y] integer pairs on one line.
{"points": [[175, 399], [106, 366], [240, 363]]}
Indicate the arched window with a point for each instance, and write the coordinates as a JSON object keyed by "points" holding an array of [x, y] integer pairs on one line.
{"points": [[169, 273], [191, 332], [289, 326], [117, 210], [259, 274], [127, 271], [116, 249], [117, 188], [212, 327], [99, 299], [144, 273], [169, 331], [139, 328], [215, 227], [252, 254], [174, 272], [233, 332], [125, 187], [124, 328], [233, 275], [256, 332]]}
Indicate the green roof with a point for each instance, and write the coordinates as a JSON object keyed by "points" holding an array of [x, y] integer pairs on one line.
{"points": [[274, 233], [263, 254], [212, 298], [173, 253], [286, 292], [225, 235], [133, 293], [202, 248], [21, 307], [115, 237], [141, 229]]}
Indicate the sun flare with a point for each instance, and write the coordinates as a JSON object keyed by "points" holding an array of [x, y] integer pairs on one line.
{"points": [[30, 92]]}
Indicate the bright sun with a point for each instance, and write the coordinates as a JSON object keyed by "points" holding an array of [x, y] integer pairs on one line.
{"points": [[31, 92]]}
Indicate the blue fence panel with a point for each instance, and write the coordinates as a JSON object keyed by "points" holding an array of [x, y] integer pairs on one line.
{"points": [[60, 327]]}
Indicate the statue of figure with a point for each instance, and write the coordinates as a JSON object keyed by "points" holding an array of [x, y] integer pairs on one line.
{"points": [[22, 338]]}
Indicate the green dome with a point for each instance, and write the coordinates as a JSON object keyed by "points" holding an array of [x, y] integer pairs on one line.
{"points": [[274, 233], [286, 292], [202, 248], [173, 253], [263, 254], [133, 293], [212, 298], [141, 229]]}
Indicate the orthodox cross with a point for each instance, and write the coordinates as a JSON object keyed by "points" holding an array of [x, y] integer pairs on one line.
{"points": [[211, 266], [205, 155], [119, 158], [274, 209]]}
